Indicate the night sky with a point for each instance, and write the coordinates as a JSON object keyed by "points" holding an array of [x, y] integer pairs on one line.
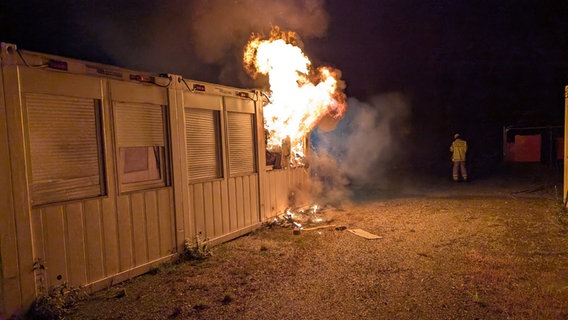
{"points": [[467, 66]]}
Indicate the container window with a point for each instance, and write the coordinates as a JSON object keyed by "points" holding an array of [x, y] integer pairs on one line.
{"points": [[142, 148]]}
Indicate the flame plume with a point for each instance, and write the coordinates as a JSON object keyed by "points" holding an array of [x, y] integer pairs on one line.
{"points": [[300, 95]]}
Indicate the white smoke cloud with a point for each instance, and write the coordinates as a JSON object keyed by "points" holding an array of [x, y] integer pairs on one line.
{"points": [[365, 143]]}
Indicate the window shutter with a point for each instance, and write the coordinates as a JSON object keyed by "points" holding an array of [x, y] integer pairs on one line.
{"points": [[203, 144], [65, 148], [241, 143], [139, 125], [141, 141]]}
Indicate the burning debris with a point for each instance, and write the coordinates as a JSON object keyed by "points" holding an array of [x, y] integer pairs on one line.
{"points": [[306, 218], [310, 219]]}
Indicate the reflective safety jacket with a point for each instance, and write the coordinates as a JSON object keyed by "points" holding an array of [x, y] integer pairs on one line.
{"points": [[458, 150]]}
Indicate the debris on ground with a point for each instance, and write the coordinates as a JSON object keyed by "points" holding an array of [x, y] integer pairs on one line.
{"points": [[364, 234], [306, 218]]}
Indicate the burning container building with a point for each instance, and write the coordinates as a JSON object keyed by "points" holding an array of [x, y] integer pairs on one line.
{"points": [[105, 172]]}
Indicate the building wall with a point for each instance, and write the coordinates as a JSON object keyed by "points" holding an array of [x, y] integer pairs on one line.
{"points": [[87, 241], [284, 189], [222, 208], [225, 206]]}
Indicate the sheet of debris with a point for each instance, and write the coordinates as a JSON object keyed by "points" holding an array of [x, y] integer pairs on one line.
{"points": [[364, 234]]}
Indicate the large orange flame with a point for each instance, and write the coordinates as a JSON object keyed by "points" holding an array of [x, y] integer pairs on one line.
{"points": [[300, 95]]}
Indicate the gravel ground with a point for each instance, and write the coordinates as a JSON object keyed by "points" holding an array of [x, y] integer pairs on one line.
{"points": [[493, 248]]}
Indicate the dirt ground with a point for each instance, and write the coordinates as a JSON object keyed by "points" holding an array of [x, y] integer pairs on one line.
{"points": [[493, 248]]}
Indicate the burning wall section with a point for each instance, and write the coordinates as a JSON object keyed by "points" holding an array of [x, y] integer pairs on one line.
{"points": [[299, 95]]}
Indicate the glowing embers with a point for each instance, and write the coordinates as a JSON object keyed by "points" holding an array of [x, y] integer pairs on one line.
{"points": [[300, 95], [307, 218]]}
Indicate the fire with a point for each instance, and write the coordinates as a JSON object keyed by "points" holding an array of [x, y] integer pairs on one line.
{"points": [[300, 95]]}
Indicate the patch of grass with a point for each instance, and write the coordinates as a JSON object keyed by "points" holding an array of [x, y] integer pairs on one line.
{"points": [[306, 241], [563, 215], [57, 303], [195, 250], [117, 294], [154, 270], [169, 267]]}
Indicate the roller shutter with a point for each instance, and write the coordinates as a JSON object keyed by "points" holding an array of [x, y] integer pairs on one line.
{"points": [[65, 148], [202, 131], [241, 143], [139, 125]]}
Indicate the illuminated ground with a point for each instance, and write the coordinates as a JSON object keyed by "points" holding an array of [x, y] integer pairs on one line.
{"points": [[494, 248]]}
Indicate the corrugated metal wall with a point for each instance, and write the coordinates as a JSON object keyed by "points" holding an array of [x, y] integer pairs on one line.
{"points": [[278, 185], [224, 207], [87, 241], [222, 204]]}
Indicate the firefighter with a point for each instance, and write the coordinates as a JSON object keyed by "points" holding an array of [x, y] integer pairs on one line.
{"points": [[458, 148]]}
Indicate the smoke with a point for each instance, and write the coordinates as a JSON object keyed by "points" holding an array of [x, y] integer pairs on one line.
{"points": [[202, 40], [366, 143], [218, 27]]}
